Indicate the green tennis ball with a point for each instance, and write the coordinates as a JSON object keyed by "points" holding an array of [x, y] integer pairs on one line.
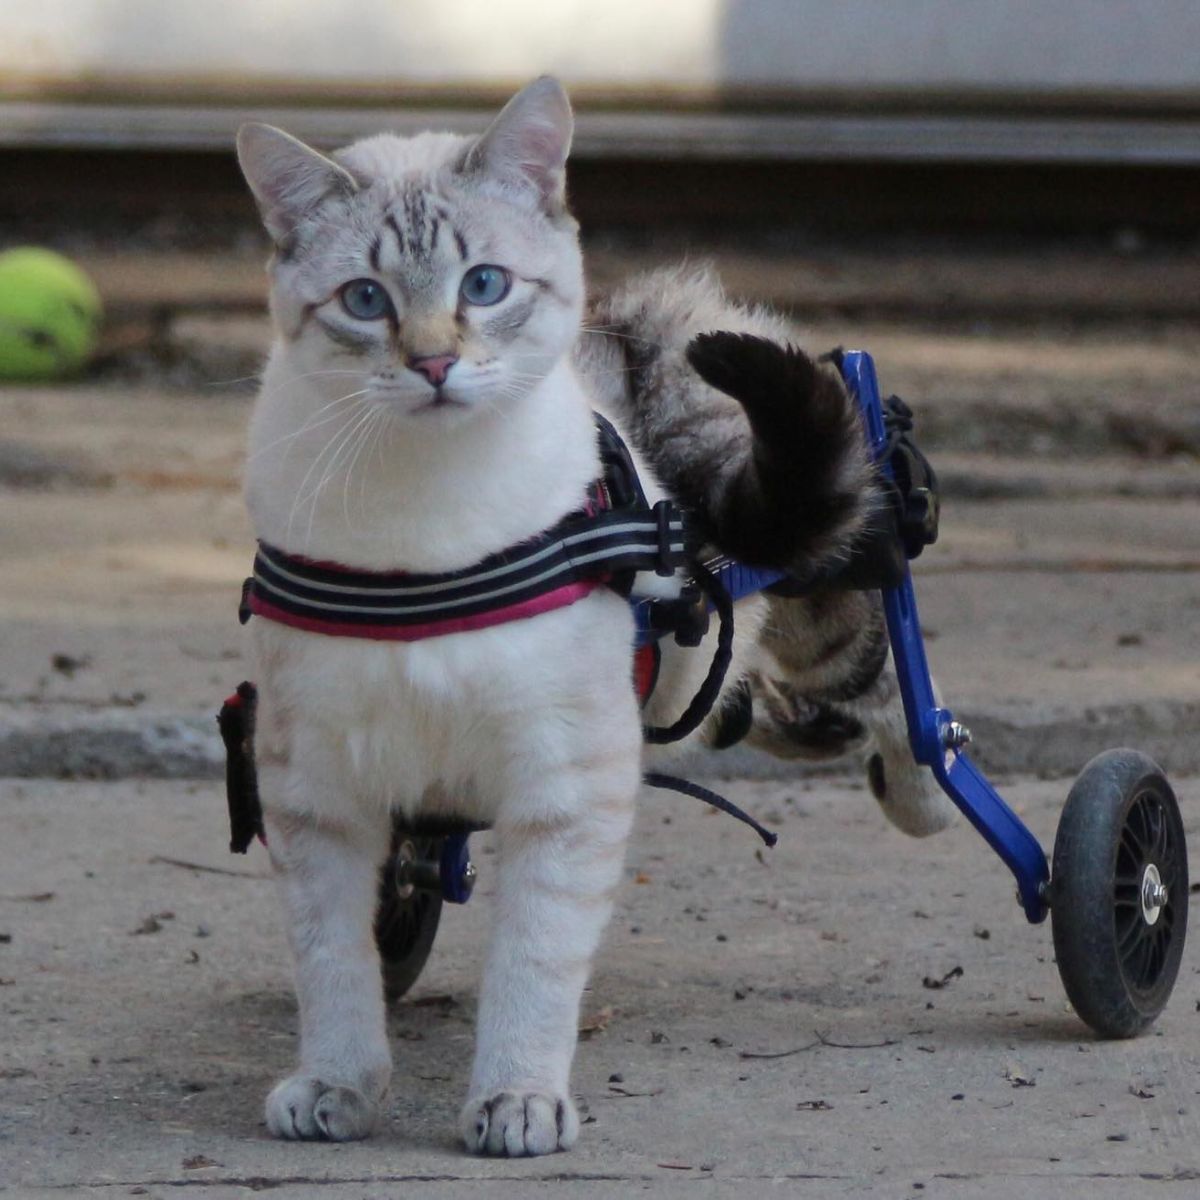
{"points": [[49, 315]]}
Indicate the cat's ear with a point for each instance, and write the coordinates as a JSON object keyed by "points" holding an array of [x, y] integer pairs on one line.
{"points": [[528, 142], [288, 178]]}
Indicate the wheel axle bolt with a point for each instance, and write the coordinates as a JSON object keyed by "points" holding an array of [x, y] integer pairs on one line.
{"points": [[955, 735], [467, 880], [1154, 894]]}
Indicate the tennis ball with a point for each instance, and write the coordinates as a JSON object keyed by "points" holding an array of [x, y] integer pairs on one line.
{"points": [[49, 314]]}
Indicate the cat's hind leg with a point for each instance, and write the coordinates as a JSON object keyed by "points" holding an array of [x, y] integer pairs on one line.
{"points": [[828, 687], [908, 793], [328, 872]]}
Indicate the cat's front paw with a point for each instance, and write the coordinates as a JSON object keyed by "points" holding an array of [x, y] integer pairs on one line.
{"points": [[519, 1124], [303, 1107]]}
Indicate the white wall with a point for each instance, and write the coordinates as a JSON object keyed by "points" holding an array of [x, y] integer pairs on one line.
{"points": [[1149, 46]]}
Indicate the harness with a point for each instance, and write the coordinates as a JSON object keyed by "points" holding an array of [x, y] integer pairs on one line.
{"points": [[616, 535], [604, 544]]}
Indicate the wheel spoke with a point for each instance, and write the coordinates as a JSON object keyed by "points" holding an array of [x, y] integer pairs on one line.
{"points": [[1144, 958], [1129, 937], [1162, 949], [1136, 827], [1131, 855], [1158, 844]]}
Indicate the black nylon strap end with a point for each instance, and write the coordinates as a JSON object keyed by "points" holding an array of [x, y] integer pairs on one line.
{"points": [[244, 611], [236, 723], [655, 779]]}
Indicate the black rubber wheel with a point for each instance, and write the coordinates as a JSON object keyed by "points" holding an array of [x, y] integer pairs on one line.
{"points": [[407, 919], [1117, 936]]}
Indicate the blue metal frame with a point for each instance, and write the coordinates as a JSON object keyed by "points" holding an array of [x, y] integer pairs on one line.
{"points": [[454, 867], [929, 724]]}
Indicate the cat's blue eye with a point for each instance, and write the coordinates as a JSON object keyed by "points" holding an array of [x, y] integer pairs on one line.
{"points": [[366, 300], [485, 285]]}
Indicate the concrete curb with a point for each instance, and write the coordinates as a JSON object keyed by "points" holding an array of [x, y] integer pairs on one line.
{"points": [[1027, 739], [1044, 740], [110, 745]]}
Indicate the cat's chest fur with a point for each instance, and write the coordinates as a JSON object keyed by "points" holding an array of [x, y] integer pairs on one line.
{"points": [[446, 724]]}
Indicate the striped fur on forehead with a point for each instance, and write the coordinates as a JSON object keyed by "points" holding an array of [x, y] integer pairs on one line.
{"points": [[416, 215], [414, 225]]}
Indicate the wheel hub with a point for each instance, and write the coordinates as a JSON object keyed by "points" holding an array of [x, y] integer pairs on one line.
{"points": [[406, 855], [1154, 894]]}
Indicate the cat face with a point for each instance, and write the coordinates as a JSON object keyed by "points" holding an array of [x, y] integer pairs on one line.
{"points": [[443, 273]]}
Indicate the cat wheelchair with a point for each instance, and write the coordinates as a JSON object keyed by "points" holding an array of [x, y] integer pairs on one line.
{"points": [[1116, 890]]}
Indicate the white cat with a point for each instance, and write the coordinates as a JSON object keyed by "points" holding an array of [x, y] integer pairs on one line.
{"points": [[421, 411]]}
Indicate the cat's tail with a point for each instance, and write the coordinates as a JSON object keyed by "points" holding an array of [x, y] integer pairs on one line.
{"points": [[804, 491]]}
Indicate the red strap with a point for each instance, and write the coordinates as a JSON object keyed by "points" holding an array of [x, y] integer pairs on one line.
{"points": [[645, 670]]}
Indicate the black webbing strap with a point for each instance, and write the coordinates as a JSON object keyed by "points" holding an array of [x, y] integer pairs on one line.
{"points": [[702, 702], [657, 780], [915, 495]]}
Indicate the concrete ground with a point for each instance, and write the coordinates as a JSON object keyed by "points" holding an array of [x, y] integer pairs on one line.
{"points": [[145, 1001], [912, 1028]]}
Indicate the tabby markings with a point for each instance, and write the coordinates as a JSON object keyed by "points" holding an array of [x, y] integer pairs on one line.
{"points": [[395, 226], [506, 325], [348, 339]]}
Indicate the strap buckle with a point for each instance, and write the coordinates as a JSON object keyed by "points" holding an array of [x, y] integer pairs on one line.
{"points": [[687, 617], [667, 559]]}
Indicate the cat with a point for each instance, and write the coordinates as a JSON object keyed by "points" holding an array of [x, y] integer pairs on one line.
{"points": [[428, 403]]}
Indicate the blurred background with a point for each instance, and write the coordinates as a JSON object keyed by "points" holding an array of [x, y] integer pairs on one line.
{"points": [[1070, 116], [1001, 201]]}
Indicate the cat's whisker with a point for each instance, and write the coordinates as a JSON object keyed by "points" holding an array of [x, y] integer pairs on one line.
{"points": [[611, 332], [283, 385], [301, 497], [384, 424], [311, 424], [222, 383], [324, 373], [604, 372], [344, 441], [363, 440], [384, 433]]}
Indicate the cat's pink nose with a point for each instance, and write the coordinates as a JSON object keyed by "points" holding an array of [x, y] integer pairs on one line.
{"points": [[435, 367]]}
